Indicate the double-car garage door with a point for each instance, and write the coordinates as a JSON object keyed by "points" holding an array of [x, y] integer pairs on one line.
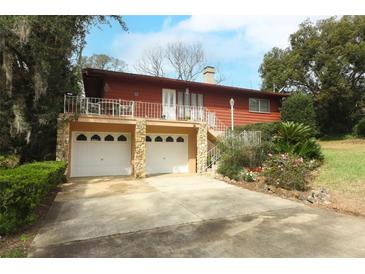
{"points": [[109, 153]]}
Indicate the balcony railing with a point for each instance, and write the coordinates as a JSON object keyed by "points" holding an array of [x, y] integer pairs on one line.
{"points": [[124, 108]]}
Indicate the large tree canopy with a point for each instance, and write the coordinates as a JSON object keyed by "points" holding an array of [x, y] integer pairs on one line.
{"points": [[327, 60], [103, 61], [39, 61]]}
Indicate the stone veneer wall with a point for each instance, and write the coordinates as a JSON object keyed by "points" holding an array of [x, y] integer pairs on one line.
{"points": [[202, 148], [140, 149], [63, 138]]}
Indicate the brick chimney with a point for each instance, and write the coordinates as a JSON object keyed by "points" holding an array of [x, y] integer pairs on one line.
{"points": [[209, 73]]}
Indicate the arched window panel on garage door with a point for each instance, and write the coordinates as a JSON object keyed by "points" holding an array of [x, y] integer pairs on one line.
{"points": [[81, 137], [148, 139], [95, 137], [109, 138], [158, 139], [169, 139], [122, 138], [180, 139]]}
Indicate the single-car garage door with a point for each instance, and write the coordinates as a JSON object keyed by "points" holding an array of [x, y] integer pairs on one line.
{"points": [[100, 153], [166, 153]]}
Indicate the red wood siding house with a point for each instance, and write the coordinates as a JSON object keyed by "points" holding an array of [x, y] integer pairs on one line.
{"points": [[126, 86], [135, 124]]}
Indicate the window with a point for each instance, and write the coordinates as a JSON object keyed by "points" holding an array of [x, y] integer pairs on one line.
{"points": [[148, 139], [81, 137], [169, 139], [122, 138], [109, 138], [95, 137], [158, 139], [180, 140], [259, 105]]}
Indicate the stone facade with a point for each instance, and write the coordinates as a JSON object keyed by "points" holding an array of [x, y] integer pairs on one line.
{"points": [[202, 148], [140, 149], [63, 138]]}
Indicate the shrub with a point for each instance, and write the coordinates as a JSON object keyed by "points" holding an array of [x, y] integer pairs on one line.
{"points": [[22, 189], [248, 176], [296, 138], [360, 128], [299, 108], [236, 157], [230, 166], [288, 171]]}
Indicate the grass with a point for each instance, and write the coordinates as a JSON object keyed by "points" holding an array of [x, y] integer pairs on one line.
{"points": [[343, 173]]}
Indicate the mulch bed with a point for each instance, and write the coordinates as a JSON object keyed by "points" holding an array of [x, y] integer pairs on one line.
{"points": [[17, 244]]}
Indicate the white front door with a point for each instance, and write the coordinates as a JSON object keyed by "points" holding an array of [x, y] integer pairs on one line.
{"points": [[169, 104], [100, 153], [167, 153]]}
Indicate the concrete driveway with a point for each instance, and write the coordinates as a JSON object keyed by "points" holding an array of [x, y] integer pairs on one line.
{"points": [[189, 216]]}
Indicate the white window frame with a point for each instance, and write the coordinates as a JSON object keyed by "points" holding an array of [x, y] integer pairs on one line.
{"points": [[259, 101]]}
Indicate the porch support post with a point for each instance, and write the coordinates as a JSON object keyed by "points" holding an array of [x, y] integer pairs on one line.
{"points": [[202, 148], [140, 149]]}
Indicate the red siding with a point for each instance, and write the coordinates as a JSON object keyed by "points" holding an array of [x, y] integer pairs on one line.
{"points": [[215, 101]]}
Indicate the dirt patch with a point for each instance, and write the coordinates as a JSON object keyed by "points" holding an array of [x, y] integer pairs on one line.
{"points": [[102, 187], [344, 144], [17, 244]]}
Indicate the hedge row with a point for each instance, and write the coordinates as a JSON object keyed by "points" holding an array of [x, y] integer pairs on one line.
{"points": [[22, 189]]}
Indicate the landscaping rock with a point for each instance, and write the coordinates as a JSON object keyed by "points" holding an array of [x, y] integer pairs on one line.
{"points": [[320, 196], [269, 188]]}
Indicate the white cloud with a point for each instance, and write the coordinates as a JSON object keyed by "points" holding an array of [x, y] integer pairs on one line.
{"points": [[224, 38]]}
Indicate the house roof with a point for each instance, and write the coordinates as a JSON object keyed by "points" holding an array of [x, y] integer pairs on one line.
{"points": [[175, 82]]}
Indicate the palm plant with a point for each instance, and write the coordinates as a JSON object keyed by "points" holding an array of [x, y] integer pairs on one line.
{"points": [[296, 138]]}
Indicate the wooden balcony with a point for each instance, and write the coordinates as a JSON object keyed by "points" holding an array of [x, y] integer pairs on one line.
{"points": [[91, 106]]}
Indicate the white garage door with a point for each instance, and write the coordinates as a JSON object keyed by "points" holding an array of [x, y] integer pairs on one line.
{"points": [[166, 153], [100, 153]]}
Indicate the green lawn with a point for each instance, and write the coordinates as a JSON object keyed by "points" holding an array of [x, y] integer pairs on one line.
{"points": [[343, 173]]}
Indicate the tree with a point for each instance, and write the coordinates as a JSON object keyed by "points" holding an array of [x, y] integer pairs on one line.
{"points": [[185, 60], [327, 61], [103, 61], [151, 62], [39, 62], [299, 108]]}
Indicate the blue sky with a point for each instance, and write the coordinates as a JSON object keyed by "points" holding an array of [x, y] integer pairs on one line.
{"points": [[235, 44]]}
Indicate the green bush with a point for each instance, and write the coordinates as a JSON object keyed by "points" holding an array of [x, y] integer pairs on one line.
{"points": [[236, 156], [248, 176], [22, 189], [360, 128], [230, 166], [296, 138], [299, 108], [288, 171]]}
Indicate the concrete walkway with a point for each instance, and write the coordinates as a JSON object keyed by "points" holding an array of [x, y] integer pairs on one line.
{"points": [[189, 216]]}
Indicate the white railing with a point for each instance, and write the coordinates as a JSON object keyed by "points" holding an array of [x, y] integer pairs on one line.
{"points": [[213, 155], [117, 107], [245, 138]]}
